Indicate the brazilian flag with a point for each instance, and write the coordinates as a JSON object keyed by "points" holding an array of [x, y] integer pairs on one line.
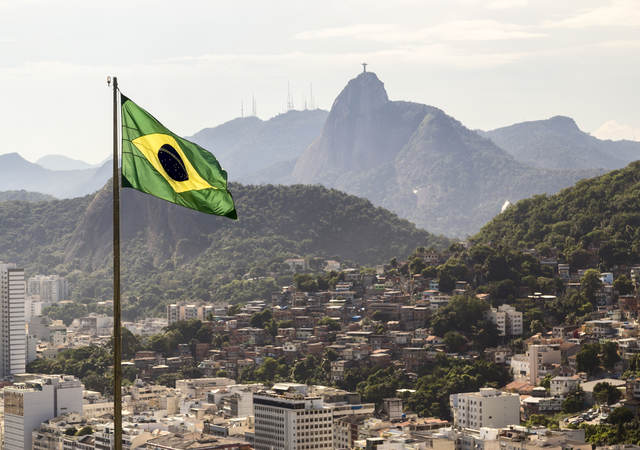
{"points": [[161, 163]]}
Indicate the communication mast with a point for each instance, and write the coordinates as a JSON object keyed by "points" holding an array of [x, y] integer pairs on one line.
{"points": [[290, 104]]}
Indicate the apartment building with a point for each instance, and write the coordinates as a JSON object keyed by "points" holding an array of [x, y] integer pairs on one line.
{"points": [[28, 404], [486, 408], [12, 323], [286, 417], [50, 288], [508, 321]]}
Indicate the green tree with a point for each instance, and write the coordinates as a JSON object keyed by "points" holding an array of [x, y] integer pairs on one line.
{"points": [[623, 285], [590, 284], [620, 416], [331, 354], [332, 324], [574, 402], [130, 344], [587, 358], [446, 282], [167, 379], [305, 282], [417, 265], [606, 394], [454, 341], [609, 352], [258, 319], [536, 326]]}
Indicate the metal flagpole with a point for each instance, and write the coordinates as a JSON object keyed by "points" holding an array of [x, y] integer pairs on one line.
{"points": [[117, 327]]}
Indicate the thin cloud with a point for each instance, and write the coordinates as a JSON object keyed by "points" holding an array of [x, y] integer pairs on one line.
{"points": [[506, 4], [458, 30], [617, 131], [617, 13], [481, 30], [434, 54], [358, 31], [619, 44]]}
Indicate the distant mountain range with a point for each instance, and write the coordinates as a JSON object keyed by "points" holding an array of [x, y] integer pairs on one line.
{"points": [[257, 151], [558, 143], [16, 173], [253, 151], [24, 196], [61, 162], [411, 158]]}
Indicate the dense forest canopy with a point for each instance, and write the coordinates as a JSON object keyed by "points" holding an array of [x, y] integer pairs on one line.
{"points": [[595, 221]]}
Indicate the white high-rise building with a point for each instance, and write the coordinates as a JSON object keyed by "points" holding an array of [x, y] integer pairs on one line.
{"points": [[287, 418], [50, 288], [12, 324], [27, 405], [508, 321], [487, 408]]}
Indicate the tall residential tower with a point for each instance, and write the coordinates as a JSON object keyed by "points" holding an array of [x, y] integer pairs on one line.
{"points": [[12, 326]]}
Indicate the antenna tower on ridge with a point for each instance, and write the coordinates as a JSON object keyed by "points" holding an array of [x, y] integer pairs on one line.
{"points": [[242, 108], [290, 105], [253, 105], [364, 67]]}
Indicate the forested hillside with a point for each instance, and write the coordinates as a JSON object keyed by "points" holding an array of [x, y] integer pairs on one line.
{"points": [[172, 253], [597, 218]]}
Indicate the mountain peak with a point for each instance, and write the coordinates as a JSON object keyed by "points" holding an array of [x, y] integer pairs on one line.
{"points": [[61, 162], [563, 123], [13, 156], [362, 94], [14, 160]]}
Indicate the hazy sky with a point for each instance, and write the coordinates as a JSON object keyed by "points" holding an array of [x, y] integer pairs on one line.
{"points": [[488, 63]]}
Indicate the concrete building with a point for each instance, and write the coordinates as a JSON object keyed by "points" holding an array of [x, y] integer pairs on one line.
{"points": [[196, 441], [561, 386], [511, 438], [12, 324], [539, 361], [180, 311], [27, 405], [172, 313], [33, 307], [508, 321], [487, 408], [50, 288], [287, 418], [236, 400], [199, 387], [541, 358], [392, 408]]}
